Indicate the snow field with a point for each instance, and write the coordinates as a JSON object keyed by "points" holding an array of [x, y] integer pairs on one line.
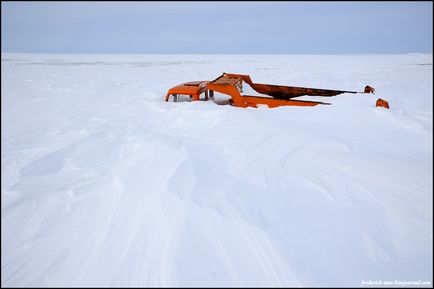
{"points": [[104, 184]]}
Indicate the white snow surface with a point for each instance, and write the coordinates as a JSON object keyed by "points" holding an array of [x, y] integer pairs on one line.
{"points": [[105, 184]]}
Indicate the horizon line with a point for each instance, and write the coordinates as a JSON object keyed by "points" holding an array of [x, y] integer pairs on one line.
{"points": [[208, 53]]}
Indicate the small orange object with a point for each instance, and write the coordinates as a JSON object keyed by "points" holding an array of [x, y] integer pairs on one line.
{"points": [[194, 89], [369, 89], [382, 103]]}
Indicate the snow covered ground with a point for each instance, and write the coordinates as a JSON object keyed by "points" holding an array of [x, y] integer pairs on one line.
{"points": [[104, 184]]}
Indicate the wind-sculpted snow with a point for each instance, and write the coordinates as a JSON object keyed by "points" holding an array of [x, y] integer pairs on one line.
{"points": [[104, 184]]}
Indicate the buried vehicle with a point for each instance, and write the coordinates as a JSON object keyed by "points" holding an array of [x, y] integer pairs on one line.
{"points": [[274, 95]]}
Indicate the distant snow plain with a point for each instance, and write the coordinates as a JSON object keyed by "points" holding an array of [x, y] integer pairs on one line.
{"points": [[105, 184]]}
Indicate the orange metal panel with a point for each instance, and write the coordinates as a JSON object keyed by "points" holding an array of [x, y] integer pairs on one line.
{"points": [[193, 88]]}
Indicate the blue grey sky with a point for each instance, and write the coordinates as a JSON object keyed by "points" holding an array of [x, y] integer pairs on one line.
{"points": [[217, 27]]}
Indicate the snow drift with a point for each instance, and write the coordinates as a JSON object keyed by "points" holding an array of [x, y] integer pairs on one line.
{"points": [[104, 184]]}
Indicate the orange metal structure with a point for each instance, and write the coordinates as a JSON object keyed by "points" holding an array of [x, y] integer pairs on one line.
{"points": [[369, 89], [382, 103], [280, 95], [194, 89], [232, 85]]}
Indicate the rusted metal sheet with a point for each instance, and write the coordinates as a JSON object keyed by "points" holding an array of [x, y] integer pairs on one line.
{"points": [[287, 92]]}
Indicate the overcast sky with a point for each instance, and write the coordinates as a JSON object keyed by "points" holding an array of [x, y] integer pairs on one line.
{"points": [[217, 27]]}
